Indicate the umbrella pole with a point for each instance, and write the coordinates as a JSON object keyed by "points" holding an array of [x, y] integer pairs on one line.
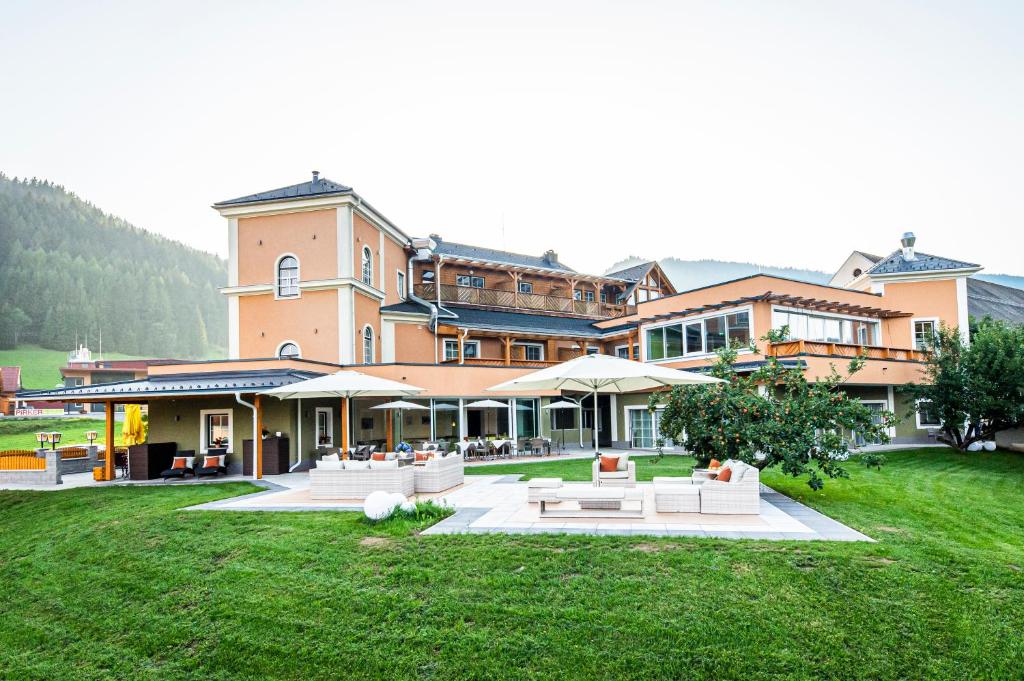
{"points": [[596, 426]]}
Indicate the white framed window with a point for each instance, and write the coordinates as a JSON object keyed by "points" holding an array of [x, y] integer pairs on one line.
{"points": [[823, 326], [367, 266], [645, 428], [470, 349], [533, 352], [586, 296], [876, 407], [215, 430], [367, 344], [924, 332], [525, 287], [469, 281], [324, 427], [400, 284], [286, 276], [288, 350], [623, 351], [925, 416]]}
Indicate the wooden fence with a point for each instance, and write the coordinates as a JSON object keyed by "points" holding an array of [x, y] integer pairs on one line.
{"points": [[21, 460]]}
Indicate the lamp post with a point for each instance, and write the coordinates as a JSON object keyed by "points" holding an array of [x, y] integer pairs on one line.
{"points": [[54, 439], [91, 437], [42, 439]]}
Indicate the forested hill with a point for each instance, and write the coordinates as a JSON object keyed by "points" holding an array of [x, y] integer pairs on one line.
{"points": [[67, 268]]}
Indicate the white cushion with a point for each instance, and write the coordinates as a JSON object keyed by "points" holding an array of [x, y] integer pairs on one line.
{"points": [[623, 462], [390, 456], [581, 492], [378, 465], [329, 457], [351, 465], [329, 465], [671, 480], [683, 490], [615, 475]]}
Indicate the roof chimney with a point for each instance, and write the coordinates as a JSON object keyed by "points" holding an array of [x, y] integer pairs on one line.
{"points": [[316, 176], [550, 257], [908, 245]]}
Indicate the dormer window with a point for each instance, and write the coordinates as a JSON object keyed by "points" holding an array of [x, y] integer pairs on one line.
{"points": [[288, 277], [367, 269]]}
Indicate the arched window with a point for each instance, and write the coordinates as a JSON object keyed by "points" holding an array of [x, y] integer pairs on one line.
{"points": [[368, 345], [288, 350], [288, 277], [367, 266]]}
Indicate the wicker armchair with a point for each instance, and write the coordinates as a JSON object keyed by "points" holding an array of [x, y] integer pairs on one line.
{"points": [[740, 496], [440, 474], [358, 484], [616, 478]]}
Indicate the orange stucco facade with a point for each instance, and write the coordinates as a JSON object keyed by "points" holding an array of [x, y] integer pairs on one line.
{"points": [[311, 236]]}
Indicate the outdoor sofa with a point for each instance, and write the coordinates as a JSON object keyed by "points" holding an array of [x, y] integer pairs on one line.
{"points": [[181, 472], [335, 479], [204, 470], [740, 496]]}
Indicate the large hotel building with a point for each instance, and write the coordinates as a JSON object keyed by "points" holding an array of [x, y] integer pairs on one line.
{"points": [[319, 280]]}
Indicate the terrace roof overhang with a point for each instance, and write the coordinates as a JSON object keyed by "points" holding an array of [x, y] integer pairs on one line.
{"points": [[815, 304], [174, 386], [517, 267]]}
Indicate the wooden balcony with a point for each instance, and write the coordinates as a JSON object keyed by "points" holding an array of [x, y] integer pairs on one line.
{"points": [[850, 350], [499, 362], [523, 302]]}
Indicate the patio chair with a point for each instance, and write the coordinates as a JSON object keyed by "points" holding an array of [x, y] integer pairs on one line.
{"points": [[539, 445], [211, 470], [624, 474], [181, 466], [121, 460]]}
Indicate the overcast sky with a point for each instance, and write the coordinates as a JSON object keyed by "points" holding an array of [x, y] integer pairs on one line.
{"points": [[784, 133]]}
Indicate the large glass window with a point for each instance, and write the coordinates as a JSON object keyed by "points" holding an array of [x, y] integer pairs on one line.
{"points": [[739, 328], [714, 333], [446, 420], [673, 341], [324, 427], [526, 418], [533, 352], [656, 343], [811, 327], [287, 277], [641, 428], [927, 417], [694, 338]]}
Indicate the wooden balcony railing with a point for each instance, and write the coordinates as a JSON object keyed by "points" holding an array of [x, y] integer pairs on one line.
{"points": [[488, 362], [851, 350], [534, 302]]}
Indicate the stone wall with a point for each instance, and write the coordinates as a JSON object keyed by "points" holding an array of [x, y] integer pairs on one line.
{"points": [[48, 476], [80, 465]]}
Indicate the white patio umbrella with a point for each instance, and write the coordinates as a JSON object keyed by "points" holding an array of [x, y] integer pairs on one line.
{"points": [[562, 404], [345, 384], [399, 406], [602, 374]]}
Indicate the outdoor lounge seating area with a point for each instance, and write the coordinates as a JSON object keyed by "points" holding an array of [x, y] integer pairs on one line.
{"points": [[335, 477]]}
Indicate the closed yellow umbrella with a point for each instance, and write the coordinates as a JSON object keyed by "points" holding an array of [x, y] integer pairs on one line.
{"points": [[133, 431]]}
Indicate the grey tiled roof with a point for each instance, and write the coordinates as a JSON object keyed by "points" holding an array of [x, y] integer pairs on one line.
{"points": [[321, 187], [495, 255], [895, 263], [407, 306], [634, 273], [985, 299], [493, 320], [219, 383]]}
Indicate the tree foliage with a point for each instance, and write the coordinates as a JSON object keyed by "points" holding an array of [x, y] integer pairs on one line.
{"points": [[976, 389], [69, 270], [772, 416]]}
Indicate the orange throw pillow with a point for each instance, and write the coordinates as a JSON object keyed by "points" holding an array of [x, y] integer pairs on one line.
{"points": [[211, 462], [715, 463], [377, 456], [609, 464], [179, 462], [725, 475], [422, 457]]}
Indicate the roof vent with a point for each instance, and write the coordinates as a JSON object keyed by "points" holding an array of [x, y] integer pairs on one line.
{"points": [[550, 257], [907, 242], [316, 176]]}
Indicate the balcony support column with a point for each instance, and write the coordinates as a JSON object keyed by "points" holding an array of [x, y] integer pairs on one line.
{"points": [[507, 342]]}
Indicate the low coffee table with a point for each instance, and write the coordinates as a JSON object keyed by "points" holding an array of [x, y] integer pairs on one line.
{"points": [[596, 502]]}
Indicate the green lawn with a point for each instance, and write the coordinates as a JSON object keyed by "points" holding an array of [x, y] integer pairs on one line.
{"points": [[647, 467], [21, 433], [119, 583], [40, 367]]}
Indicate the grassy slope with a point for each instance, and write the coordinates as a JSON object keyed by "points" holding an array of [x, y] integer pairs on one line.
{"points": [[40, 368], [21, 433], [117, 582]]}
